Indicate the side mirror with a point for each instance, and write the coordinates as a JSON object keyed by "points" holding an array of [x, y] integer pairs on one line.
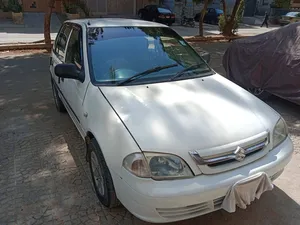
{"points": [[206, 56], [69, 71]]}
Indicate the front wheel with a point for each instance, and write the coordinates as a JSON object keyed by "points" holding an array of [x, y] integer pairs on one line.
{"points": [[102, 180]]}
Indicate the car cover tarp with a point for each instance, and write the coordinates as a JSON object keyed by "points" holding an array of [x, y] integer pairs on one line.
{"points": [[270, 61]]}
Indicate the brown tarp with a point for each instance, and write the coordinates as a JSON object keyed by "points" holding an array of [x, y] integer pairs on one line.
{"points": [[270, 61]]}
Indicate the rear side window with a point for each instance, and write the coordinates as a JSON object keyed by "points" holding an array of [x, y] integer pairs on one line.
{"points": [[153, 8], [74, 49], [61, 41]]}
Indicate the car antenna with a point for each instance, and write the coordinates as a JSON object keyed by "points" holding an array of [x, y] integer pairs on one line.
{"points": [[89, 23]]}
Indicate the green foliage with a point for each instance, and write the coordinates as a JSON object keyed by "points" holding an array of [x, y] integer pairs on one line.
{"points": [[239, 15], [14, 6], [238, 19], [83, 6], [69, 7], [222, 23], [75, 6], [3, 7], [285, 4]]}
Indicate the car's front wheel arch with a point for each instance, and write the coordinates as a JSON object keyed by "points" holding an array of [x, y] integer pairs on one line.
{"points": [[89, 136], [102, 181]]}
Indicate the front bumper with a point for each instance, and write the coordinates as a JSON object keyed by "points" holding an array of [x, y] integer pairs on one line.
{"points": [[168, 201]]}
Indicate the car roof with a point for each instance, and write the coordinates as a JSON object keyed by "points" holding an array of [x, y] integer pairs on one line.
{"points": [[115, 22], [292, 14]]}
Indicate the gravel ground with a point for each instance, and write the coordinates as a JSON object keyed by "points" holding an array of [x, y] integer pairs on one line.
{"points": [[44, 178]]}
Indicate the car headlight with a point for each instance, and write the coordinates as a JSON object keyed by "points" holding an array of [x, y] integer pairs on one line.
{"points": [[280, 132], [158, 166]]}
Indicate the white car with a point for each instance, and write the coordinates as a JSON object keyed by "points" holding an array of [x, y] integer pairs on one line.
{"points": [[166, 135]]}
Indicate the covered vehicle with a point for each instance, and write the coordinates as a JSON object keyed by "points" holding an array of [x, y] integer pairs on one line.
{"points": [[267, 64], [290, 17]]}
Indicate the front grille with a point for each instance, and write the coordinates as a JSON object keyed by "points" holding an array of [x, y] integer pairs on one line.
{"points": [[229, 158], [191, 210]]}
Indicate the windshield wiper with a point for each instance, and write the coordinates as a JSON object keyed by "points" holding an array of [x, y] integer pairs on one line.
{"points": [[152, 70], [180, 73]]}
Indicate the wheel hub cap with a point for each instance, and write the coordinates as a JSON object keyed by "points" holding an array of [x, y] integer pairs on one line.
{"points": [[97, 173]]}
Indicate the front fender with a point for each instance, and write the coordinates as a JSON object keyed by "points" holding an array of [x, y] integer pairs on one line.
{"points": [[108, 129]]}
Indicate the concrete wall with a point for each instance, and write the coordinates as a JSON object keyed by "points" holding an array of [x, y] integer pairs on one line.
{"points": [[263, 6], [40, 5]]}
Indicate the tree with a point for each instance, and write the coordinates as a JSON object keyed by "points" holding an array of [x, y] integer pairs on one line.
{"points": [[202, 14], [230, 21], [282, 3], [47, 20]]}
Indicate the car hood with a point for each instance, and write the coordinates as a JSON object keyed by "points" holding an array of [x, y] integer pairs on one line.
{"points": [[189, 114]]}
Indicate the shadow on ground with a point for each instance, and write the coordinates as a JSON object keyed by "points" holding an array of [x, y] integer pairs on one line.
{"points": [[43, 174]]}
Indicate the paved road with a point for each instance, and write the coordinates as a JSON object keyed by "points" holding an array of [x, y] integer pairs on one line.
{"points": [[44, 178], [213, 29]]}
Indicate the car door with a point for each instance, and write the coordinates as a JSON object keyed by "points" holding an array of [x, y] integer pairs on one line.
{"points": [[206, 16], [75, 90], [211, 15], [58, 56], [146, 12], [214, 16], [153, 13]]}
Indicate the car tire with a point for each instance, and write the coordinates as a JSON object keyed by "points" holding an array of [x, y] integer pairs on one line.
{"points": [[260, 93], [58, 103], [101, 177]]}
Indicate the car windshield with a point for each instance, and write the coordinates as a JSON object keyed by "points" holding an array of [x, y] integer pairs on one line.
{"points": [[163, 10], [118, 53]]}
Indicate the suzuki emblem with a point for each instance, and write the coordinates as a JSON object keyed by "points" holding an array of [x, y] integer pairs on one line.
{"points": [[239, 154]]}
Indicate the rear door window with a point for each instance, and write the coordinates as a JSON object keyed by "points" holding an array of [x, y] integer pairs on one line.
{"points": [[153, 8], [61, 41]]}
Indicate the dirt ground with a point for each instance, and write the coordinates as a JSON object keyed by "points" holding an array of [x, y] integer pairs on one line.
{"points": [[44, 178]]}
